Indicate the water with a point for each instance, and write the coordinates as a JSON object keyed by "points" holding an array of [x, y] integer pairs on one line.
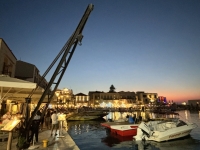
{"points": [[90, 135]]}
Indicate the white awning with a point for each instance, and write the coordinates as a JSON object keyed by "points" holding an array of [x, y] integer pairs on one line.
{"points": [[11, 87], [6, 81]]}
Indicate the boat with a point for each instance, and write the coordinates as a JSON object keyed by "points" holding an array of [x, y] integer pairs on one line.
{"points": [[129, 128], [87, 115], [84, 117], [163, 130], [121, 128]]}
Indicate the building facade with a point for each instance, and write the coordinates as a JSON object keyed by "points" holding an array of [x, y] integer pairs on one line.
{"points": [[120, 99], [81, 100], [146, 98], [29, 72], [7, 59], [64, 97], [194, 103]]}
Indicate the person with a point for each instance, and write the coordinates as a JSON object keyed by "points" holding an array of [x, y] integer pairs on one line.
{"points": [[6, 117], [42, 119], [35, 127], [21, 142], [54, 118], [48, 119]]}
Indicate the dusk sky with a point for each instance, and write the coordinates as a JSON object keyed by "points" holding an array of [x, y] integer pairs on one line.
{"points": [[136, 45]]}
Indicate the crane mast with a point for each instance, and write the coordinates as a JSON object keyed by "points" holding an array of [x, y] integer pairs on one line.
{"points": [[66, 55]]}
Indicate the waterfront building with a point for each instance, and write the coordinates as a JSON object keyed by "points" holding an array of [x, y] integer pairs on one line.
{"points": [[194, 104], [29, 72], [7, 59], [64, 98], [120, 99], [146, 98], [162, 100], [9, 65], [81, 100]]}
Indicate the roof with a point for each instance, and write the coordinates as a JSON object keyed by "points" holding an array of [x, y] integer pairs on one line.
{"points": [[80, 94], [8, 47]]}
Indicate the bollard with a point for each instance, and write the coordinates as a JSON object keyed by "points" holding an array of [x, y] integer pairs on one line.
{"points": [[45, 143]]}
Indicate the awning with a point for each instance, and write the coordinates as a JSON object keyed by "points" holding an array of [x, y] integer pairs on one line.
{"points": [[16, 89], [6, 81]]}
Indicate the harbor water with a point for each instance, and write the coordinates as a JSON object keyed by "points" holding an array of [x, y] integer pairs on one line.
{"points": [[90, 135]]}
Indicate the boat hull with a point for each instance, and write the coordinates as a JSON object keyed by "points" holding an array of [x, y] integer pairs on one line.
{"points": [[163, 131], [76, 118], [172, 134], [87, 115], [121, 128]]}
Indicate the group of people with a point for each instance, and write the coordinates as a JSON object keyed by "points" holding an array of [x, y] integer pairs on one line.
{"points": [[7, 117], [51, 119]]}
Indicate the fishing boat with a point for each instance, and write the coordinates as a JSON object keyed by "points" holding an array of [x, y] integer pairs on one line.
{"points": [[163, 130], [87, 115]]}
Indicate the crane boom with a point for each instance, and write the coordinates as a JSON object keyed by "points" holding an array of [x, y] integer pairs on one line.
{"points": [[67, 52]]}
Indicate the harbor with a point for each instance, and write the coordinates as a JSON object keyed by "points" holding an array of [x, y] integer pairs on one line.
{"points": [[119, 92], [90, 135]]}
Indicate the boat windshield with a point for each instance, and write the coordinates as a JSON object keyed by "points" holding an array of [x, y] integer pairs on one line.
{"points": [[181, 123]]}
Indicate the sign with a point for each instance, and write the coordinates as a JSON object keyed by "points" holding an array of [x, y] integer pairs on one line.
{"points": [[11, 125]]}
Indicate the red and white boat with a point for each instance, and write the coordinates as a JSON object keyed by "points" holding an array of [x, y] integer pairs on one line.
{"points": [[122, 128]]}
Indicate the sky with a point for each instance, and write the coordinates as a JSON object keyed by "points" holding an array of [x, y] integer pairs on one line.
{"points": [[136, 45]]}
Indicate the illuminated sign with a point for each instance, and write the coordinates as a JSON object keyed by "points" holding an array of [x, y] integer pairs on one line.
{"points": [[10, 125]]}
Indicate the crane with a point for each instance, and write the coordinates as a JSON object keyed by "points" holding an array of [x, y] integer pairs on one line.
{"points": [[65, 56]]}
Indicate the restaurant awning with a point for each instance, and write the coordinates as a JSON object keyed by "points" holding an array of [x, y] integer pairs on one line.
{"points": [[18, 90], [9, 82]]}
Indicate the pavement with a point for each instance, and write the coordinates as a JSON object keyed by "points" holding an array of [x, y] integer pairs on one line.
{"points": [[54, 142]]}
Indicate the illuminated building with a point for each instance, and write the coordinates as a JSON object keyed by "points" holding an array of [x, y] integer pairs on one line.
{"points": [[64, 97], [120, 99], [81, 100], [162, 99]]}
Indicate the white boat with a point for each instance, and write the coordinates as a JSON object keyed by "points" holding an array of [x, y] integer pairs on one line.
{"points": [[163, 130]]}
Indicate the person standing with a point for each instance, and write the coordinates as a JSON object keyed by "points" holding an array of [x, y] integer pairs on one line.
{"points": [[48, 119], [35, 127], [54, 118], [41, 119]]}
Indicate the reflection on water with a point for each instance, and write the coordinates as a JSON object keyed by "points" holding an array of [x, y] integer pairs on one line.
{"points": [[186, 115], [90, 135], [119, 115]]}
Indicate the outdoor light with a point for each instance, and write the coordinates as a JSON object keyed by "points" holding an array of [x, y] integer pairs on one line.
{"points": [[57, 94], [65, 90]]}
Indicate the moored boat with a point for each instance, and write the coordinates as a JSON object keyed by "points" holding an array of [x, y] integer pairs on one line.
{"points": [[121, 128], [87, 115], [84, 117], [163, 130]]}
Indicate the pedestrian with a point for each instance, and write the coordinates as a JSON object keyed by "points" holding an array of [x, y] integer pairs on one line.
{"points": [[35, 127], [48, 119], [41, 119], [54, 118]]}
